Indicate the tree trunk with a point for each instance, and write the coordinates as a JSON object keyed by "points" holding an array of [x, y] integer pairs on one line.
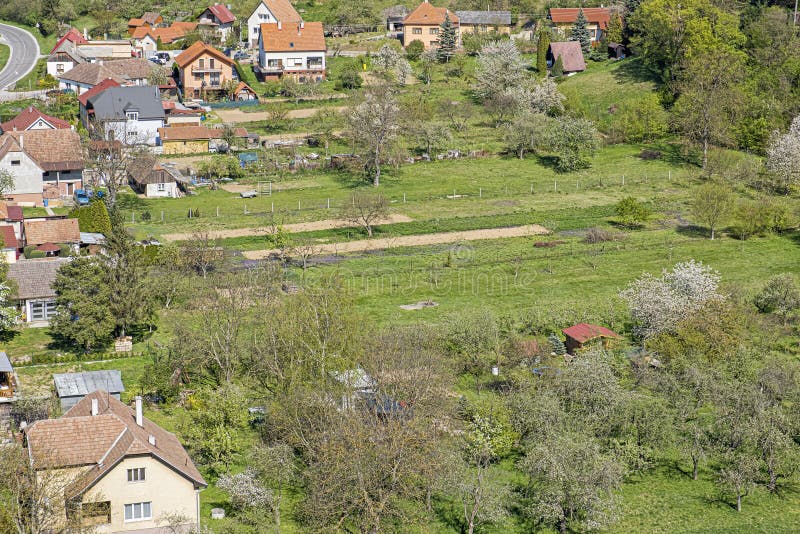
{"points": [[773, 479], [712, 233], [377, 180], [562, 525], [738, 502], [695, 463], [705, 153]]}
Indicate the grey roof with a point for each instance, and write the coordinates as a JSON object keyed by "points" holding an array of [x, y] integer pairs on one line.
{"points": [[72, 384], [490, 18], [92, 238], [33, 278], [357, 379], [5, 363], [112, 103]]}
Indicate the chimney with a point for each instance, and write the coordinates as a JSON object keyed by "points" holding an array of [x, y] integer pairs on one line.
{"points": [[302, 25], [95, 407], [85, 33], [280, 25], [21, 142], [139, 417], [152, 440]]}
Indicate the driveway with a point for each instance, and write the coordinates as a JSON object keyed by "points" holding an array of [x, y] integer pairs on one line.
{"points": [[24, 54]]}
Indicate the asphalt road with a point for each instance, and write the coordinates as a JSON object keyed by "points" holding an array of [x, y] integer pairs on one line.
{"points": [[24, 54]]}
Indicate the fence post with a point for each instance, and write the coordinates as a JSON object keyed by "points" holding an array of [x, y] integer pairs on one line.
{"points": [[245, 209], [669, 174], [404, 198], [623, 180], [162, 215], [480, 192], [555, 185], [454, 194], [273, 207], [329, 203], [577, 182], [217, 211], [298, 205]]}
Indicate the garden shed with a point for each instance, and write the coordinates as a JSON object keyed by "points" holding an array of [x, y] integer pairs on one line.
{"points": [[72, 387], [581, 334]]}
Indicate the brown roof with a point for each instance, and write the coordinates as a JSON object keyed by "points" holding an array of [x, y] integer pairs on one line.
{"points": [[80, 439], [291, 37], [598, 15], [8, 236], [30, 115], [243, 87], [571, 55], [52, 150], [51, 231], [97, 89], [196, 50], [283, 10], [195, 133], [222, 13], [584, 332], [132, 68], [33, 278], [427, 14], [135, 23], [178, 30], [151, 18], [184, 26], [90, 74]]}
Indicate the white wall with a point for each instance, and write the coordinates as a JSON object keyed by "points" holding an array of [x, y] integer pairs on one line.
{"points": [[264, 57], [27, 175], [78, 88], [168, 190], [134, 132], [255, 20], [52, 67]]}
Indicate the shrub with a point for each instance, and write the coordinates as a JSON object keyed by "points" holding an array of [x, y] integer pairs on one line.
{"points": [[94, 217], [631, 212], [600, 235], [350, 77], [415, 49], [558, 346], [145, 216], [780, 295], [558, 68]]}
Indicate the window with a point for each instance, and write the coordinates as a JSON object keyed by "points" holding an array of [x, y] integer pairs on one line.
{"points": [[138, 511], [315, 63], [211, 63], [274, 63], [214, 80], [294, 61], [136, 474], [201, 62], [15, 163], [198, 77], [160, 187], [416, 31], [43, 310], [255, 31], [60, 68], [132, 115], [434, 31]]}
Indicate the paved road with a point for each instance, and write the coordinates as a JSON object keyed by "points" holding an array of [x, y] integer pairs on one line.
{"points": [[24, 54]]}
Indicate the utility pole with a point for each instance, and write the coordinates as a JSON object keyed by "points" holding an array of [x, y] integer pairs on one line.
{"points": [[795, 13]]}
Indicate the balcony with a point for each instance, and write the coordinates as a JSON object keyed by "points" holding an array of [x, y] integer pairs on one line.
{"points": [[200, 70]]}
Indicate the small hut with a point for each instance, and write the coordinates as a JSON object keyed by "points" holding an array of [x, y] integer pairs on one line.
{"points": [[582, 334]]}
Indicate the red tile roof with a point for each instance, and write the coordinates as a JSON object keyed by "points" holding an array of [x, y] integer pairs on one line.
{"points": [[73, 36], [196, 50], [28, 117], [427, 15], [15, 213], [97, 89], [584, 332], [222, 13], [9, 239], [291, 37], [52, 231], [598, 15]]}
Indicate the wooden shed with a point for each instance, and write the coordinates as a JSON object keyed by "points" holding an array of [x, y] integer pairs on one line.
{"points": [[72, 387], [579, 335]]}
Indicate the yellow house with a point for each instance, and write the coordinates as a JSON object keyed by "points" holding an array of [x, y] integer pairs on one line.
{"points": [[484, 22], [203, 68], [424, 24], [109, 468], [193, 139]]}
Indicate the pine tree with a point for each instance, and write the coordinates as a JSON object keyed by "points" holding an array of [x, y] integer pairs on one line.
{"points": [[614, 32], [558, 346], [558, 68], [447, 39], [541, 52], [581, 33]]}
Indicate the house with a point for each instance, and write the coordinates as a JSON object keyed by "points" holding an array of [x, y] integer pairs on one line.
{"points": [[116, 471], [45, 164], [12, 216], [296, 49], [266, 12], [203, 68], [8, 381], [32, 289], [72, 36], [563, 19], [244, 92], [179, 115], [10, 244], [482, 22], [394, 17], [38, 232], [84, 76], [147, 176], [71, 388], [147, 39], [571, 56], [64, 58], [356, 385], [32, 119], [423, 24], [194, 139], [218, 18], [149, 20], [131, 115], [580, 334], [106, 49], [135, 71], [92, 242]]}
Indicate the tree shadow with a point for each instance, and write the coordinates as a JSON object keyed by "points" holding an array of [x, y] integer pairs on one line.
{"points": [[633, 70], [692, 230], [670, 153]]}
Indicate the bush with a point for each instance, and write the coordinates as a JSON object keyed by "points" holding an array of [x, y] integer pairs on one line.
{"points": [[31, 252], [415, 49], [94, 217], [145, 216], [558, 68], [559, 349], [631, 212], [600, 235], [780, 295], [350, 77]]}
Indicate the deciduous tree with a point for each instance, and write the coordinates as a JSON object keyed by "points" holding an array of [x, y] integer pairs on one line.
{"points": [[500, 66], [365, 210], [374, 124], [712, 205]]}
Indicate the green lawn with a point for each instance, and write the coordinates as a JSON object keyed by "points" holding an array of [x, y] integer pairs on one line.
{"points": [[5, 53]]}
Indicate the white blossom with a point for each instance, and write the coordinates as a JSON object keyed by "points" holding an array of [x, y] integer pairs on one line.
{"points": [[500, 66], [657, 304], [783, 156], [246, 491]]}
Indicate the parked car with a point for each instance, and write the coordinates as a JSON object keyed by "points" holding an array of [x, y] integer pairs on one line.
{"points": [[164, 56], [249, 194], [240, 55], [157, 60], [81, 197]]}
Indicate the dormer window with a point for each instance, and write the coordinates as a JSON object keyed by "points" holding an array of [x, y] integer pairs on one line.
{"points": [[132, 115], [291, 45]]}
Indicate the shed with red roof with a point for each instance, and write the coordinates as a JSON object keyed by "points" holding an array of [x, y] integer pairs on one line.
{"points": [[582, 333]]}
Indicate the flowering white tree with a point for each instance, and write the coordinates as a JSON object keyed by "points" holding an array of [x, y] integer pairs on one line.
{"points": [[9, 315], [783, 156], [246, 491], [374, 125], [500, 66], [390, 64], [657, 304]]}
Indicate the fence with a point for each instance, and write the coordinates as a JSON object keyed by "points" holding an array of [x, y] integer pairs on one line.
{"points": [[273, 199]]}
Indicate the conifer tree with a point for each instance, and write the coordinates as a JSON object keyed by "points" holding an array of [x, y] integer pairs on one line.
{"points": [[581, 33], [541, 52], [447, 39], [558, 68]]}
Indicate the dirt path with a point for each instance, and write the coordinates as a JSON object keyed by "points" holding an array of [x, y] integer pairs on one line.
{"points": [[294, 227], [414, 240], [238, 116]]}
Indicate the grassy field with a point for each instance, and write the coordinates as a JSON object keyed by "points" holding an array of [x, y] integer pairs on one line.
{"points": [[5, 53]]}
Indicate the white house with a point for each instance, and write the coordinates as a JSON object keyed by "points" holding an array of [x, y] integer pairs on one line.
{"points": [[63, 58], [269, 11], [218, 18], [296, 50], [130, 114], [33, 292]]}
